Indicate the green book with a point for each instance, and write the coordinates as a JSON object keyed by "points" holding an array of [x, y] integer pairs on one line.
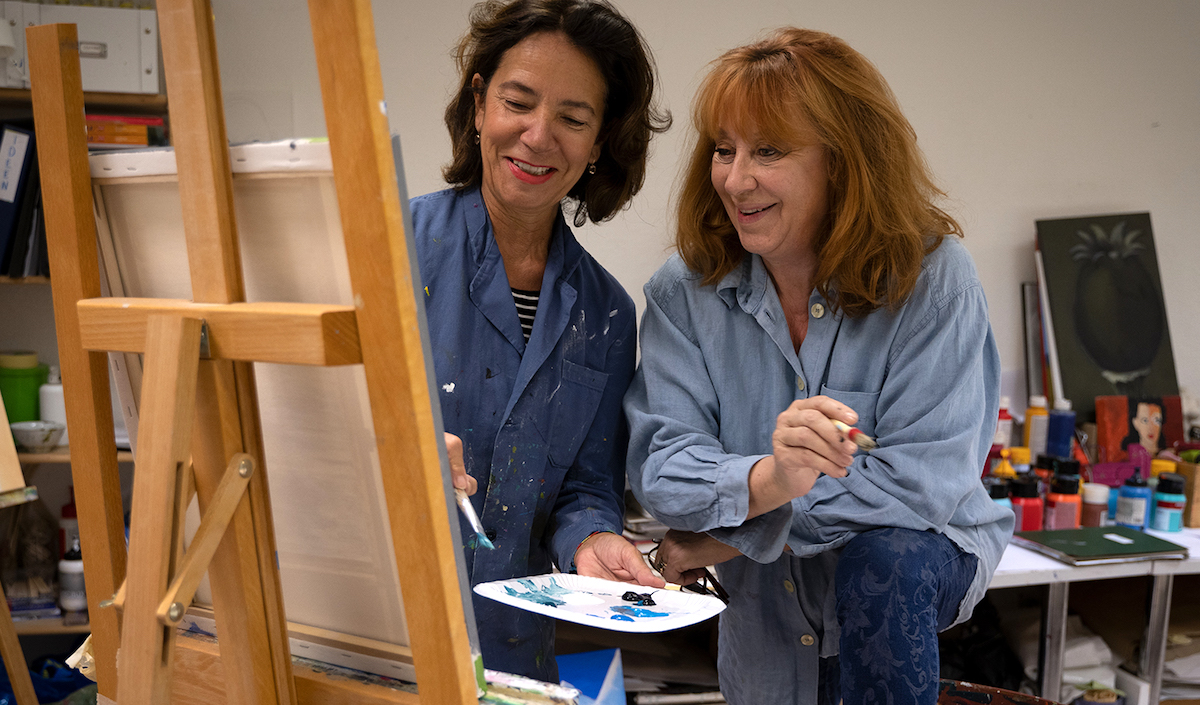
{"points": [[1100, 544]]}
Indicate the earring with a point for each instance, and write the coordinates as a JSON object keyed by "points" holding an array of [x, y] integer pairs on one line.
{"points": [[591, 167], [476, 138]]}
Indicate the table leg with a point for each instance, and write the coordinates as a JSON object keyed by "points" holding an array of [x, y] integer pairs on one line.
{"points": [[1054, 638], [1154, 645]]}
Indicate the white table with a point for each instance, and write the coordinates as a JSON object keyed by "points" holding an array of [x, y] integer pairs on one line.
{"points": [[1022, 567]]}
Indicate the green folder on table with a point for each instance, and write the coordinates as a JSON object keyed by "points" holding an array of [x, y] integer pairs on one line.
{"points": [[1099, 545]]}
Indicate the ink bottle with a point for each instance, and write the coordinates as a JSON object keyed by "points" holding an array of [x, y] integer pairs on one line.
{"points": [[997, 488]]}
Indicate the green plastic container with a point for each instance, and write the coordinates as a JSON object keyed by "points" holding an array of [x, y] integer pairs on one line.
{"points": [[19, 388]]}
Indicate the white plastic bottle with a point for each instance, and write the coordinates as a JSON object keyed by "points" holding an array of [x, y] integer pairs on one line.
{"points": [[72, 596], [50, 397]]}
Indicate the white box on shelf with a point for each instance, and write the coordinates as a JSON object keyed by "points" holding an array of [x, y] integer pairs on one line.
{"points": [[118, 46]]}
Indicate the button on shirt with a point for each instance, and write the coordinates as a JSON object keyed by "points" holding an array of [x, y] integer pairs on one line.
{"points": [[541, 423], [718, 366]]}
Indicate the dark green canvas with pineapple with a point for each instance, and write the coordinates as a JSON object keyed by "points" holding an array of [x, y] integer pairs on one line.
{"points": [[1106, 308]]}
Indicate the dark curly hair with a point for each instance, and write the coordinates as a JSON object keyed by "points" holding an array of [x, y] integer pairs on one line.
{"points": [[631, 117]]}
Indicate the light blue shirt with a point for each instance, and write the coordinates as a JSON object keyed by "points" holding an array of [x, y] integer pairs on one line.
{"points": [[540, 422], [718, 366]]}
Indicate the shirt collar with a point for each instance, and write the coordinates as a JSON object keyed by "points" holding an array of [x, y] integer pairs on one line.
{"points": [[564, 248], [746, 285]]}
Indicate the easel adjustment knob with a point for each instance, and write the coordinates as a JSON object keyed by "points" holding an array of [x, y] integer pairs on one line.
{"points": [[176, 612]]}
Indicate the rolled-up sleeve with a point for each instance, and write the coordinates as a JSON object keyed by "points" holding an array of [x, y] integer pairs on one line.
{"points": [[939, 393], [677, 465]]}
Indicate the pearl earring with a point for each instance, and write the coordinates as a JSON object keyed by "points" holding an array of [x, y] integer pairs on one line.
{"points": [[591, 167], [476, 138]]}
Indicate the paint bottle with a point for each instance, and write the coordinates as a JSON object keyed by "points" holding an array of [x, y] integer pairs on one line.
{"points": [[1094, 509], [1060, 429], [1004, 426], [1019, 457], [71, 594], [1133, 502], [52, 406], [997, 488], [1169, 502], [1027, 504], [1037, 418], [1062, 504]]}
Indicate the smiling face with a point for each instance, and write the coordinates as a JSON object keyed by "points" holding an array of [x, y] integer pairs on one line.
{"points": [[775, 194], [538, 122]]}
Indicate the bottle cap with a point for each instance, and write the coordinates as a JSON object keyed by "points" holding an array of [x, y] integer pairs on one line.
{"points": [[1066, 467], [1170, 483], [1019, 455], [1024, 488], [1004, 402], [1135, 480], [1160, 465], [1095, 493], [997, 487], [1037, 400], [1065, 484], [1062, 404], [18, 360]]}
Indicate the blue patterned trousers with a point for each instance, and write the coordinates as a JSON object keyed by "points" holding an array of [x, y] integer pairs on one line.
{"points": [[896, 589]]}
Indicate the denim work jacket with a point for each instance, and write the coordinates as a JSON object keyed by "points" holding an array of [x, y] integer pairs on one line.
{"points": [[541, 424], [718, 366]]}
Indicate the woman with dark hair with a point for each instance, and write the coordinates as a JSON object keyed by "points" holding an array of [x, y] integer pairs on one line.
{"points": [[533, 341], [816, 282]]}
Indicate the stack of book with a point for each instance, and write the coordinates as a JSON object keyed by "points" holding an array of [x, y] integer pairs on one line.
{"points": [[22, 229], [125, 132]]}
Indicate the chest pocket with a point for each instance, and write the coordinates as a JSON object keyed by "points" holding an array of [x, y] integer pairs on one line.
{"points": [[572, 409], [863, 403]]}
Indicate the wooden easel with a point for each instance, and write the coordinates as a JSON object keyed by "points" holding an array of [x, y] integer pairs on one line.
{"points": [[204, 407]]}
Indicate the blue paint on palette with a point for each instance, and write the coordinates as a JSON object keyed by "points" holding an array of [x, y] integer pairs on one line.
{"points": [[621, 618], [545, 595], [640, 612]]}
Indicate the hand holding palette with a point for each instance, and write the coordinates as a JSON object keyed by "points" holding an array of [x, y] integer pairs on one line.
{"points": [[603, 603]]}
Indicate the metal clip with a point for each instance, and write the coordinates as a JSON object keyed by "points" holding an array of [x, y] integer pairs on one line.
{"points": [[204, 352]]}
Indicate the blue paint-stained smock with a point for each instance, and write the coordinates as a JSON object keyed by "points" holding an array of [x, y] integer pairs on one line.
{"points": [[541, 423], [718, 366]]}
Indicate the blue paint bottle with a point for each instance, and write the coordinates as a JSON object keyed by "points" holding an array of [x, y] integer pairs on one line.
{"points": [[1169, 502], [1133, 502], [1060, 429]]}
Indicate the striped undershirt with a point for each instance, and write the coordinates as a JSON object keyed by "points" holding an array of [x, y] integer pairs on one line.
{"points": [[527, 303]]}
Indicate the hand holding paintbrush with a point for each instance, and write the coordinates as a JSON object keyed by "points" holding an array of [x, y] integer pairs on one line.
{"points": [[812, 437]]}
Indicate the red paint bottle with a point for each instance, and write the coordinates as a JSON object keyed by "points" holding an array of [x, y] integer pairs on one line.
{"points": [[1027, 505], [1063, 504]]}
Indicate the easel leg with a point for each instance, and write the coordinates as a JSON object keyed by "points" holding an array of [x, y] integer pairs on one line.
{"points": [[14, 658], [168, 406]]}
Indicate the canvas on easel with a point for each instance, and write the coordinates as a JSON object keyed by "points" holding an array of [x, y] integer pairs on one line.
{"points": [[1107, 317]]}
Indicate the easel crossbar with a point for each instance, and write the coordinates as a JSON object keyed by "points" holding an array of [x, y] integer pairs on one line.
{"points": [[290, 333]]}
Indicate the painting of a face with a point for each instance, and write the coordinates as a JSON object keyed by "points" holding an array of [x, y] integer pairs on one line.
{"points": [[1148, 423]]}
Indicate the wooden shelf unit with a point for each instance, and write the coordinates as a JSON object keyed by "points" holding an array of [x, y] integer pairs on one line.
{"points": [[140, 103], [50, 625]]}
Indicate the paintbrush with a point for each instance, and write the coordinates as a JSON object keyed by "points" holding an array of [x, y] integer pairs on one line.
{"points": [[862, 440], [468, 510]]}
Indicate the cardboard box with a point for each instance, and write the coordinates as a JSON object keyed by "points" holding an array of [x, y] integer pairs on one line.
{"points": [[1191, 513], [118, 46]]}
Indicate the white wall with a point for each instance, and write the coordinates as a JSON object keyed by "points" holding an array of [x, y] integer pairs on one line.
{"points": [[1026, 110]]}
